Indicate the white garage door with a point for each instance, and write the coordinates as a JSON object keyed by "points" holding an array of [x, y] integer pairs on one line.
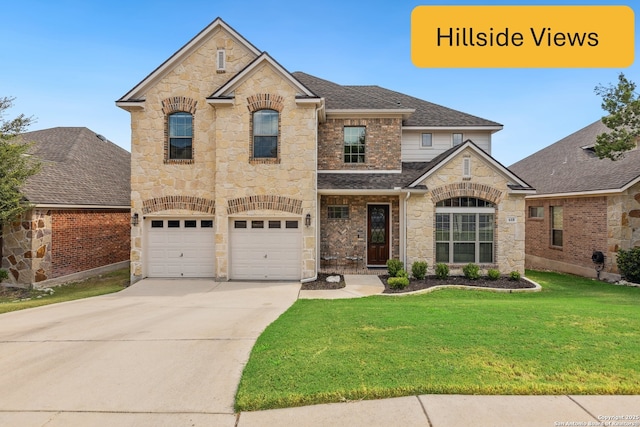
{"points": [[265, 249], [180, 248]]}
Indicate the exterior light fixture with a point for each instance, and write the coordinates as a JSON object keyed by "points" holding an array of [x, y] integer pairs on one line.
{"points": [[307, 220], [134, 219]]}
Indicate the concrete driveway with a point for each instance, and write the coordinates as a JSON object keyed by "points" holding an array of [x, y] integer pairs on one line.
{"points": [[162, 352]]}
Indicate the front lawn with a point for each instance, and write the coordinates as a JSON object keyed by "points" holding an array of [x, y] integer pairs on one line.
{"points": [[577, 336]]}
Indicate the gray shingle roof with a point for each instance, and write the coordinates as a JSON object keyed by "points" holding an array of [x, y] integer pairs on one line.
{"points": [[78, 168], [565, 167], [375, 97], [373, 181]]}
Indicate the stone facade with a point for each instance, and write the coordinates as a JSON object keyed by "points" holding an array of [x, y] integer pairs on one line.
{"points": [[50, 244], [485, 182], [382, 144], [222, 175]]}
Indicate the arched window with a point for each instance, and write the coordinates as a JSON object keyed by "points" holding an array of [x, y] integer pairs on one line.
{"points": [[180, 136], [465, 229], [265, 134]]}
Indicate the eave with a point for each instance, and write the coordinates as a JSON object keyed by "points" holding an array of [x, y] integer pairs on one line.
{"points": [[404, 113]]}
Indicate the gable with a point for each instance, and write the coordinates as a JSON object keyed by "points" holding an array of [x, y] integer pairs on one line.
{"points": [[201, 51]]}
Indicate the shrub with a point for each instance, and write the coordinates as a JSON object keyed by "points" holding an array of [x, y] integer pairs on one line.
{"points": [[514, 275], [402, 273], [398, 282], [493, 274], [442, 271], [4, 275], [419, 269], [471, 271], [629, 264], [393, 266]]}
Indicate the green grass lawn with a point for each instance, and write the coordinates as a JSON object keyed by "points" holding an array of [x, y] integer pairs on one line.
{"points": [[107, 283], [577, 336]]}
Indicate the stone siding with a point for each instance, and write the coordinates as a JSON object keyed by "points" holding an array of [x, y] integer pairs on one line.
{"points": [[348, 237], [382, 144], [485, 183]]}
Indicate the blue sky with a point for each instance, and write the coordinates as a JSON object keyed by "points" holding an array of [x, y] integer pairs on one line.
{"points": [[66, 62]]}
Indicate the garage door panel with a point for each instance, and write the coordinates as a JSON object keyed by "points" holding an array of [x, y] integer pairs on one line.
{"points": [[269, 253], [180, 251]]}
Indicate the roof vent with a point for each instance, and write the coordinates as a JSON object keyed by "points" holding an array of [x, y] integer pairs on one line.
{"points": [[101, 137]]}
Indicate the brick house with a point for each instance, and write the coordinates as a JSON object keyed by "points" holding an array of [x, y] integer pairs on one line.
{"points": [[79, 223], [583, 205], [243, 170]]}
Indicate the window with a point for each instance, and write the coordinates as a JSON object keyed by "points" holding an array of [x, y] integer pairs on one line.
{"points": [[265, 134], [354, 138], [220, 60], [427, 140], [239, 224], [181, 136], [275, 224], [206, 223], [465, 234], [556, 226], [456, 139], [291, 224], [338, 212], [257, 224], [190, 223], [536, 212], [173, 223], [157, 223]]}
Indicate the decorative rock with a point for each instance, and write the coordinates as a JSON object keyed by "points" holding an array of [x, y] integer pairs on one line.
{"points": [[333, 279]]}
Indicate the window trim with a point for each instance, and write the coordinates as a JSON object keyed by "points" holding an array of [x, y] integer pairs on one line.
{"points": [[276, 158], [466, 167], [221, 60], [539, 209], [553, 224], [476, 211], [362, 144], [338, 212], [453, 137], [169, 137], [430, 141]]}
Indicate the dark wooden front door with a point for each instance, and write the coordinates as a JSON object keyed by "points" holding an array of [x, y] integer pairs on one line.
{"points": [[377, 234]]}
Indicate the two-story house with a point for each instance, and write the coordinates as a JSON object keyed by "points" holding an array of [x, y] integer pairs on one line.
{"points": [[243, 170]]}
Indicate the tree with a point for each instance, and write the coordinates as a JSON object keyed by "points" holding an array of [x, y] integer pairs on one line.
{"points": [[16, 165], [623, 105]]}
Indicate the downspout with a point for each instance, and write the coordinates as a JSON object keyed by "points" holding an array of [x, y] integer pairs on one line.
{"points": [[406, 199], [317, 219]]}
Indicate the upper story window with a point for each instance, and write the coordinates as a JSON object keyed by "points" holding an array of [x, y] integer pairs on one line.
{"points": [[180, 136], [265, 134], [556, 226], [456, 139], [354, 144], [427, 140]]}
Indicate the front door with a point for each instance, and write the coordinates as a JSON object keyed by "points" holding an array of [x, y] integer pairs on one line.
{"points": [[378, 234]]}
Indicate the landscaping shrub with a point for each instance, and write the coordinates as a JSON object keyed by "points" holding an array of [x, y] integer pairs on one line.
{"points": [[493, 274], [398, 282], [514, 275], [4, 275], [629, 264], [442, 271], [393, 266], [471, 271], [419, 269], [402, 273]]}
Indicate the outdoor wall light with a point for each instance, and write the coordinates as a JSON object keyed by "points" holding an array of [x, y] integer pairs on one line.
{"points": [[134, 219], [307, 220]]}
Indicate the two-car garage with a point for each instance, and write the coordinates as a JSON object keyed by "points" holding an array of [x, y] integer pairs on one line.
{"points": [[259, 248]]}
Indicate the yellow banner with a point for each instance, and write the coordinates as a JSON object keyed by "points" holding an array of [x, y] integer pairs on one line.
{"points": [[522, 36]]}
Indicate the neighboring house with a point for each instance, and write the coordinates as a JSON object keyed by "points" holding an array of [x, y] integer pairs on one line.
{"points": [[79, 223], [243, 170], [583, 205]]}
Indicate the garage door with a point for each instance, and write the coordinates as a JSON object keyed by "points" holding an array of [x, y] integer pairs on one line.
{"points": [[180, 248], [265, 249]]}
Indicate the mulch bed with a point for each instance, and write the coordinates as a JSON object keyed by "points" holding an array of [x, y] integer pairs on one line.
{"points": [[431, 281], [428, 282]]}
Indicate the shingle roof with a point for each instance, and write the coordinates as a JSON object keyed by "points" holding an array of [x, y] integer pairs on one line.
{"points": [[565, 167], [376, 97], [373, 181], [78, 168]]}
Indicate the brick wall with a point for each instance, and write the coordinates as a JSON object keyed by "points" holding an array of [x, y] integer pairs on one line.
{"points": [[342, 237], [86, 239], [382, 144], [584, 230]]}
